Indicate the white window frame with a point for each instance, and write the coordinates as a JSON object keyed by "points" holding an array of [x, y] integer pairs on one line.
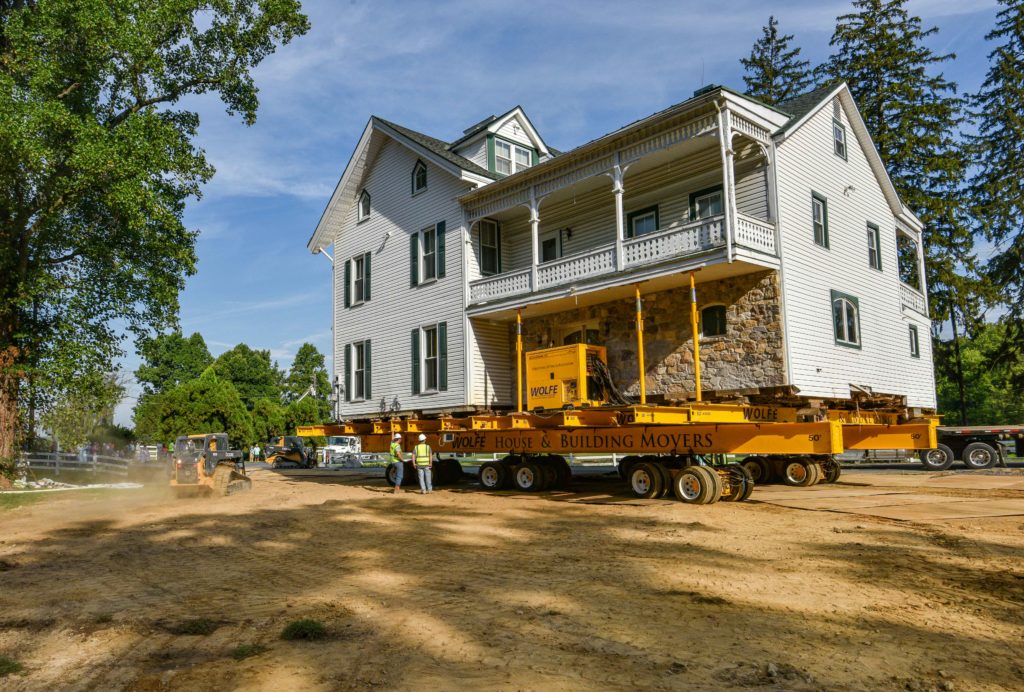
{"points": [[874, 246], [420, 166], [358, 392], [425, 359], [839, 144], [710, 195], [512, 159], [650, 213], [361, 214], [496, 247], [819, 202], [358, 279], [428, 252], [547, 237], [915, 341], [700, 324]]}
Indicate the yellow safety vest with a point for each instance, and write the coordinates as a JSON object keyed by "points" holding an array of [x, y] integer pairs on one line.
{"points": [[396, 452], [422, 454]]}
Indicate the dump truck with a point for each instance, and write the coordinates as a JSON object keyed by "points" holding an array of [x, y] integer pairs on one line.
{"points": [[204, 464]]}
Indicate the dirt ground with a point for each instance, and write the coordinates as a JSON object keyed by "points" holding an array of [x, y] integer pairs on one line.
{"points": [[465, 589]]}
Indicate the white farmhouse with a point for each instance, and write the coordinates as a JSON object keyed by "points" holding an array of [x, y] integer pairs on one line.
{"points": [[809, 267]]}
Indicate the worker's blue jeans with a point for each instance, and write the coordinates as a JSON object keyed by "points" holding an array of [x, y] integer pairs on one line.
{"points": [[399, 472], [424, 473]]}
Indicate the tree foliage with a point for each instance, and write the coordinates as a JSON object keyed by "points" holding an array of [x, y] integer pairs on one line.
{"points": [[305, 412], [913, 114], [309, 370], [268, 419], [170, 360], [208, 404], [997, 187], [97, 159], [77, 415], [774, 71], [251, 372], [991, 396]]}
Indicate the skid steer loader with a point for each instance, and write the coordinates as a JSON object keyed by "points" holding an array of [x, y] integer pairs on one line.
{"points": [[204, 465]]}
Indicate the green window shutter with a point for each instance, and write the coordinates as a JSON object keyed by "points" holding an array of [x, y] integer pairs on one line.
{"points": [[439, 253], [490, 153], [367, 360], [366, 277], [442, 357], [414, 259], [497, 234], [536, 157], [348, 283], [348, 372], [415, 361]]}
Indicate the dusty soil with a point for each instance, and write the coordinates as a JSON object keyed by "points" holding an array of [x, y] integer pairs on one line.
{"points": [[464, 589]]}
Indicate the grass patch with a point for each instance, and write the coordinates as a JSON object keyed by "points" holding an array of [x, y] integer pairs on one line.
{"points": [[15, 500], [304, 630], [8, 666], [197, 626], [244, 651]]}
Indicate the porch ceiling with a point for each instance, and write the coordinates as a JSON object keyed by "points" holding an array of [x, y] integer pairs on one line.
{"points": [[568, 298]]}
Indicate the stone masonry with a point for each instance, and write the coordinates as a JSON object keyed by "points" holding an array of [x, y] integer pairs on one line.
{"points": [[748, 355]]}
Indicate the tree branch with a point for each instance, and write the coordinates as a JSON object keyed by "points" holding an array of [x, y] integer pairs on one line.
{"points": [[168, 96]]}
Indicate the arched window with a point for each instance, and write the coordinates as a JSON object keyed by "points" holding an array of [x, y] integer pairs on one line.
{"points": [[846, 319], [419, 177], [364, 205], [712, 321]]}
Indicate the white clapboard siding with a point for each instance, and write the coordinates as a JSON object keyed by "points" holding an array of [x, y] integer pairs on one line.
{"points": [[752, 189], [395, 308], [492, 360], [819, 367], [475, 151], [514, 131]]}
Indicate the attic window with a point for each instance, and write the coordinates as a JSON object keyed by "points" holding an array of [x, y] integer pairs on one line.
{"points": [[839, 139], [419, 177], [510, 158], [364, 206]]}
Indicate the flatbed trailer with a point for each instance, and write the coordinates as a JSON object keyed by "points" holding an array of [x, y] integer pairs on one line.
{"points": [[665, 448], [977, 446]]}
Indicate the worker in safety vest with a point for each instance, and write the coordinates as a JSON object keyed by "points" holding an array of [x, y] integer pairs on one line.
{"points": [[422, 456], [397, 460]]}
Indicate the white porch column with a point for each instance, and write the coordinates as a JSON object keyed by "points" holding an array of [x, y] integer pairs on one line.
{"points": [[534, 238], [725, 150], [923, 280], [620, 229]]}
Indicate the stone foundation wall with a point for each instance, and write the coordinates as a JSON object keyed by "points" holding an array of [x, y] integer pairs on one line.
{"points": [[750, 354]]}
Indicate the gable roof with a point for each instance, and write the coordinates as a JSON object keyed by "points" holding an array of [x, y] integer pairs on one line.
{"points": [[800, 106], [439, 147], [493, 123]]}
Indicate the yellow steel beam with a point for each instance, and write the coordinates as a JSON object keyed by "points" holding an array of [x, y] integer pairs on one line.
{"points": [[907, 436], [865, 417]]}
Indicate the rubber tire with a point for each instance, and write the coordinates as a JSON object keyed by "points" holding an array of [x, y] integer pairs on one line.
{"points": [[646, 481], [938, 459], [758, 469], [666, 479], [529, 482], [623, 466], [717, 485], [549, 477], [563, 472], [741, 482], [803, 479], [496, 472], [691, 486], [817, 471], [832, 470], [988, 453], [408, 474]]}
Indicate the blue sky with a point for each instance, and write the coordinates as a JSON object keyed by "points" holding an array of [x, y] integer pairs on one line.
{"points": [[579, 68]]}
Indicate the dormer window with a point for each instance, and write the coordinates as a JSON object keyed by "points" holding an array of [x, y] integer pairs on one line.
{"points": [[510, 158], [419, 177], [364, 206]]}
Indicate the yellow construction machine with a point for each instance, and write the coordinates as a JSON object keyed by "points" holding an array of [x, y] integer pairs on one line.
{"points": [[204, 464]]}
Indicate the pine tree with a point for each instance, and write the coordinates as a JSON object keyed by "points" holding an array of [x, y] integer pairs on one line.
{"points": [[774, 72], [997, 188], [914, 116]]}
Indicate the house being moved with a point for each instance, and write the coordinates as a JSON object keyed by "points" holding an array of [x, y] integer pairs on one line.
{"points": [[809, 268]]}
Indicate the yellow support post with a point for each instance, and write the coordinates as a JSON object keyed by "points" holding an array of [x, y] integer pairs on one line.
{"points": [[519, 361], [640, 345], [696, 337]]}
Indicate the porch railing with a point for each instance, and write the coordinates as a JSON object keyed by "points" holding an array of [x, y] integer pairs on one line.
{"points": [[913, 299], [500, 286], [576, 267], [755, 234], [694, 237]]}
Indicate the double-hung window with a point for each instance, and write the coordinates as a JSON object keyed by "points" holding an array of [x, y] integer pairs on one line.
{"points": [[427, 254], [915, 342], [490, 247], [874, 247], [839, 139], [819, 217], [357, 371], [363, 212], [430, 358], [846, 319], [642, 222], [357, 280], [510, 158], [706, 203]]}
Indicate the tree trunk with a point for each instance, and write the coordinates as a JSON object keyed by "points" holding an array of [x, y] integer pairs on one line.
{"points": [[9, 422], [959, 366]]}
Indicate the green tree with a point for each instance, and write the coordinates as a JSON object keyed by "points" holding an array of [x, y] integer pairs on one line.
{"points": [[268, 418], [146, 418], [990, 394], [997, 187], [309, 370], [170, 360], [80, 413], [305, 412], [774, 71], [97, 160], [208, 404], [251, 372], [914, 115]]}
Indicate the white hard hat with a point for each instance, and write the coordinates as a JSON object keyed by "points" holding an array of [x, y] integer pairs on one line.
{"points": [[423, 438], [397, 436]]}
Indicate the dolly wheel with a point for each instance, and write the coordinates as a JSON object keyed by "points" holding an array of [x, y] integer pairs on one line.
{"points": [[757, 468], [938, 459], [831, 471], [692, 486], [741, 483], [646, 481], [493, 475], [798, 473], [979, 455], [527, 477], [716, 484]]}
